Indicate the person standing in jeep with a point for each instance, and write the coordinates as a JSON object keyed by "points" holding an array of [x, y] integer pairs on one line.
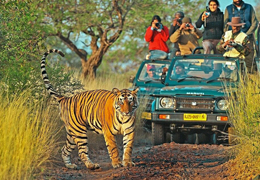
{"points": [[247, 14], [177, 21], [212, 20], [235, 43], [157, 34], [186, 36]]}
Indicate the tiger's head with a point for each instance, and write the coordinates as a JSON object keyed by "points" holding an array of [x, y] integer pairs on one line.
{"points": [[125, 101]]}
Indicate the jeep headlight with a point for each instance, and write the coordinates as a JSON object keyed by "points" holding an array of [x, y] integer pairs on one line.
{"points": [[167, 102], [222, 104]]}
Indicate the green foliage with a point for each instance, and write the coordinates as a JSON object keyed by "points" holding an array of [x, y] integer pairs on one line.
{"points": [[21, 32], [86, 21], [131, 48]]}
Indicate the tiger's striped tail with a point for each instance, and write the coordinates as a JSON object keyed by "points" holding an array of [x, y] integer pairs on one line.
{"points": [[45, 78]]}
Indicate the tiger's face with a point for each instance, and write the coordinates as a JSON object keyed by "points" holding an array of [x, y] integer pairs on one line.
{"points": [[126, 101]]}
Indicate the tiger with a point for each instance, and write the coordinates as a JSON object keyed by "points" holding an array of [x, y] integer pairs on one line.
{"points": [[102, 111]]}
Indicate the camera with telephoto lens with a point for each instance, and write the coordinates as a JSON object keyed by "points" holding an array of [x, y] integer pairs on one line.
{"points": [[157, 25], [232, 43], [179, 20], [207, 13], [187, 25]]}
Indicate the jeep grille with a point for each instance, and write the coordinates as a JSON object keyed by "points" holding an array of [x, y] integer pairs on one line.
{"points": [[190, 104]]}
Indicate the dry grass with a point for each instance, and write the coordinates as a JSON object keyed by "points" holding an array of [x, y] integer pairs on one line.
{"points": [[27, 136], [31, 133], [245, 115]]}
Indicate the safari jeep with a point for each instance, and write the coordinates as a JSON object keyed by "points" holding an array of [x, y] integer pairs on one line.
{"points": [[149, 80], [193, 107]]}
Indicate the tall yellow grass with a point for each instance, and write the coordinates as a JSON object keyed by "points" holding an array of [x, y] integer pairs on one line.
{"points": [[245, 115], [28, 136]]}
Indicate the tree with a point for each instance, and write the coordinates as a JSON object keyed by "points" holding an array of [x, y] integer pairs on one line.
{"points": [[103, 22], [20, 34]]}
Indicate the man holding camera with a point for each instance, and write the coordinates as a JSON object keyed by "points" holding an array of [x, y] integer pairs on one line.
{"points": [[177, 21], [235, 43], [186, 36]]}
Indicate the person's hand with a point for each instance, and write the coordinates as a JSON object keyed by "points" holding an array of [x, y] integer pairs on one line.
{"points": [[183, 26], [174, 22], [154, 26], [191, 26], [204, 16], [226, 43], [165, 69]]}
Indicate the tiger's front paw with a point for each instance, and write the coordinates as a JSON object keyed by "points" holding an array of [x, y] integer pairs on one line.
{"points": [[128, 163], [116, 164], [71, 166], [92, 166]]}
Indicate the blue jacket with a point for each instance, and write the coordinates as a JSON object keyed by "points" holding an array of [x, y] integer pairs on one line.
{"points": [[247, 15]]}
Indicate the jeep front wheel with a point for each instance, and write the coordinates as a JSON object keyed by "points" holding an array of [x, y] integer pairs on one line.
{"points": [[158, 135]]}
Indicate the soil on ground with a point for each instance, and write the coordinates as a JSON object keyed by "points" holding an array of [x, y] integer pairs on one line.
{"points": [[166, 161]]}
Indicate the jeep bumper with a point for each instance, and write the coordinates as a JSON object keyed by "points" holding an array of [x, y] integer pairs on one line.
{"points": [[189, 118]]}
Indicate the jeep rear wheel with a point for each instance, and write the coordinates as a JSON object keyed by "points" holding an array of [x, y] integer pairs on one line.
{"points": [[158, 135]]}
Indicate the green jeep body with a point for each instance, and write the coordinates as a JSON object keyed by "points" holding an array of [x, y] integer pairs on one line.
{"points": [[193, 108], [149, 85]]}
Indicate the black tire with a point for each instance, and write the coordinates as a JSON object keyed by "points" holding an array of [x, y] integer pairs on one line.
{"points": [[177, 137], [158, 135], [213, 138]]}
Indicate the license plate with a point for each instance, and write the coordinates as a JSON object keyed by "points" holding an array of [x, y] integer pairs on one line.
{"points": [[146, 115], [195, 117]]}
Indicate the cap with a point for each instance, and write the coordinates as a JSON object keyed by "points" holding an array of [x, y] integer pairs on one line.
{"points": [[186, 20], [149, 67]]}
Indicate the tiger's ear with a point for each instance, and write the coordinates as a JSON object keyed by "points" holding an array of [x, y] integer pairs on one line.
{"points": [[135, 91], [115, 91]]}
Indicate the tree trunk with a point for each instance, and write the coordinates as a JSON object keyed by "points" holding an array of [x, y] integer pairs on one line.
{"points": [[89, 67]]}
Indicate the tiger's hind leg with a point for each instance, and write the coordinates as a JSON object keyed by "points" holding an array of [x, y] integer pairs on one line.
{"points": [[66, 152], [82, 141]]}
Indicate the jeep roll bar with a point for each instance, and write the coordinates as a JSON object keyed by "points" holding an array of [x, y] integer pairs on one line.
{"points": [[196, 48]]}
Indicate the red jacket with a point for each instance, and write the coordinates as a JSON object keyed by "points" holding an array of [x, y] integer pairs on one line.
{"points": [[157, 40]]}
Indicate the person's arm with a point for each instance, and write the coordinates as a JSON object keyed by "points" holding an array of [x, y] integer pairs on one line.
{"points": [[149, 34], [221, 47], [226, 20], [199, 22], [171, 31], [175, 36], [254, 22], [244, 47], [196, 32], [165, 33]]}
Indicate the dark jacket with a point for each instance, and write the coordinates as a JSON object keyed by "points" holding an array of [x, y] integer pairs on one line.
{"points": [[173, 29], [214, 25]]}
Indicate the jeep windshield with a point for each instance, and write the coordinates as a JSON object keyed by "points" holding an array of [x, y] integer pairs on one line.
{"points": [[208, 70], [152, 72]]}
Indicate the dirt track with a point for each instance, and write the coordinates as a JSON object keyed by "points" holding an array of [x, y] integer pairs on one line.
{"points": [[167, 161]]}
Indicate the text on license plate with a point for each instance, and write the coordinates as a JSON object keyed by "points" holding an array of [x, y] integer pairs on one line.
{"points": [[195, 117]]}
